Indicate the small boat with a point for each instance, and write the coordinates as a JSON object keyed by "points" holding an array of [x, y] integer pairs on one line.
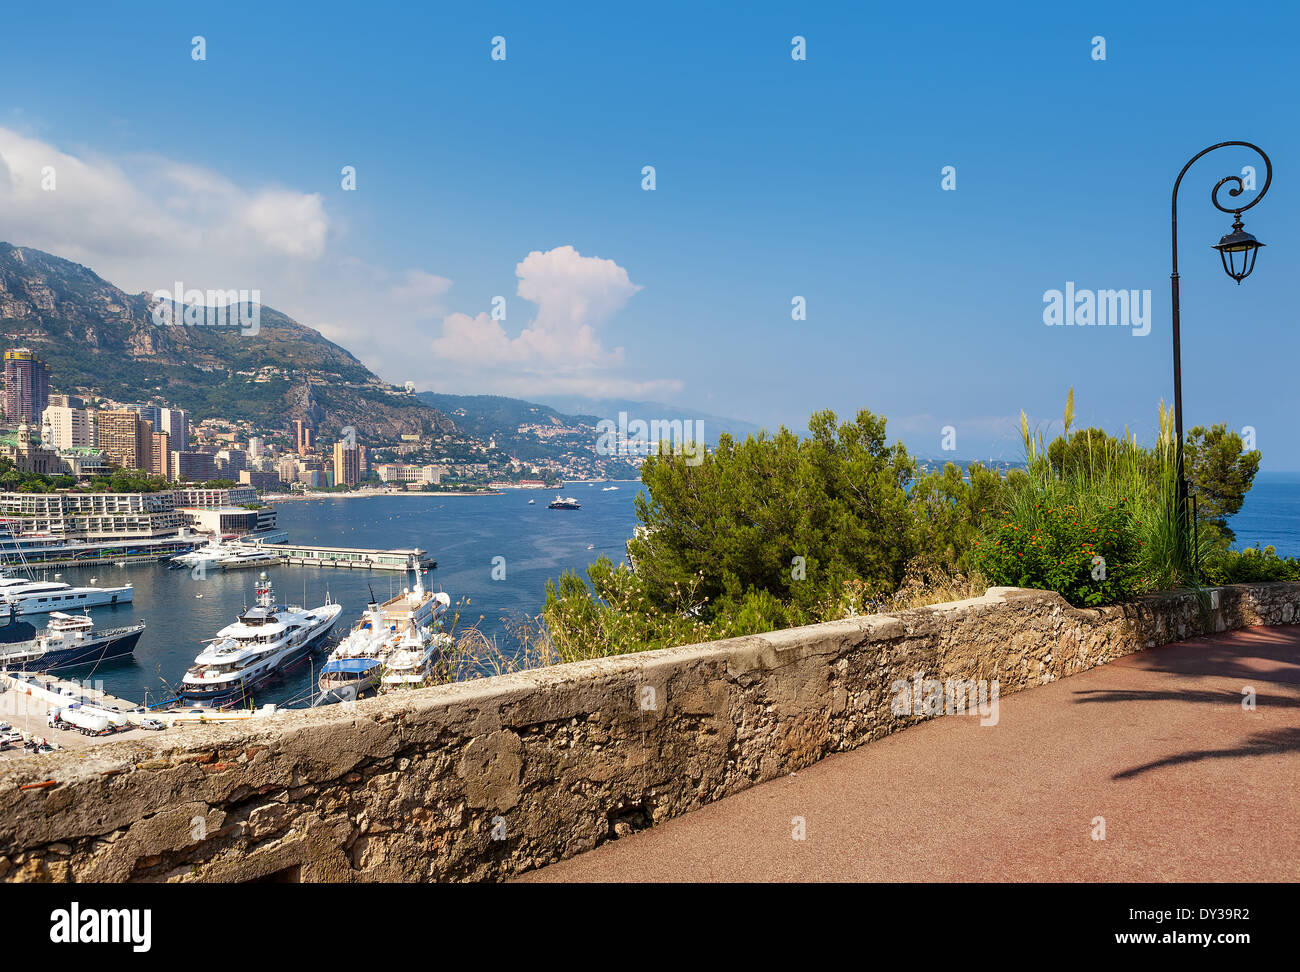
{"points": [[564, 503], [609, 489], [530, 503]]}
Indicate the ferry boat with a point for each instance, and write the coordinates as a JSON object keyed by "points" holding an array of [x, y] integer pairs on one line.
{"points": [[69, 641], [564, 503], [26, 596], [266, 639], [356, 663]]}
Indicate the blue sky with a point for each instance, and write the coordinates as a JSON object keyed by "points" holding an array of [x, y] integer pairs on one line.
{"points": [[774, 178]]}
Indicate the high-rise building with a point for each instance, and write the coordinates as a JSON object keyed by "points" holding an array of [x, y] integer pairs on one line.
{"points": [[27, 386], [196, 467], [66, 401], [255, 445], [71, 428], [160, 455], [230, 462], [176, 423], [302, 437], [347, 463], [125, 438]]}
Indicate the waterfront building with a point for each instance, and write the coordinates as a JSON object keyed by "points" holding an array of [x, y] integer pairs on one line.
{"points": [[347, 463], [400, 472], [27, 386], [214, 497], [91, 516], [230, 521]]}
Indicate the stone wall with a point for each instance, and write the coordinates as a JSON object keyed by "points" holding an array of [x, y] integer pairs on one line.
{"points": [[485, 779]]}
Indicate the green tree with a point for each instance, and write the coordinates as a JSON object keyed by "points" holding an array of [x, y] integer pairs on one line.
{"points": [[1219, 474]]}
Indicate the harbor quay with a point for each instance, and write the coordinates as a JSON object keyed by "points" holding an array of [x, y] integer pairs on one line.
{"points": [[399, 559]]}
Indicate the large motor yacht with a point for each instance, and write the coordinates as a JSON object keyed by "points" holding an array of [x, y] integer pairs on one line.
{"points": [[27, 596], [68, 641], [357, 662], [266, 639]]}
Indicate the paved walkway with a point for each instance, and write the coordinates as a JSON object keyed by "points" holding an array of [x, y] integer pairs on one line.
{"points": [[1191, 786]]}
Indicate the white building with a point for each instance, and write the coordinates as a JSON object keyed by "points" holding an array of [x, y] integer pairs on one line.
{"points": [[70, 428]]}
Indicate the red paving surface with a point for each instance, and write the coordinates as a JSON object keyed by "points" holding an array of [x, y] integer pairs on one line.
{"points": [[1192, 788]]}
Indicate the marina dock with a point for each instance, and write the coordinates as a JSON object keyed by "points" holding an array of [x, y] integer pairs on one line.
{"points": [[358, 557], [47, 553]]}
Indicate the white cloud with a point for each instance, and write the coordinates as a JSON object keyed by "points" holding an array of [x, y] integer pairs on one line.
{"points": [[560, 349], [146, 222]]}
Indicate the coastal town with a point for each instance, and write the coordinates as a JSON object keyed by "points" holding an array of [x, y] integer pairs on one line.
{"points": [[68, 443]]}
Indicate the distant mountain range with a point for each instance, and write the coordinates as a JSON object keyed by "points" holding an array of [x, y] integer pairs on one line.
{"points": [[609, 408], [99, 339], [564, 431]]}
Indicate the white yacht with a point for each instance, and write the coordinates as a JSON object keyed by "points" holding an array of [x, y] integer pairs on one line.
{"points": [[356, 663], [266, 639], [69, 640], [22, 595], [205, 556], [238, 556], [411, 662]]}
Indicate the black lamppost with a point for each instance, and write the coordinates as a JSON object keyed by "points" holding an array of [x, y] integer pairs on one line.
{"points": [[1238, 250]]}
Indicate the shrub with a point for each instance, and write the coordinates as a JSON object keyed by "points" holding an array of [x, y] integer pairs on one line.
{"points": [[1090, 558], [1251, 566]]}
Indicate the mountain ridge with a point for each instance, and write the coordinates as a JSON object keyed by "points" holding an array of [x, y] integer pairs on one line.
{"points": [[97, 338]]}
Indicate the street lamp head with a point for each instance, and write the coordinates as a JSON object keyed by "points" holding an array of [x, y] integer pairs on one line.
{"points": [[1238, 250]]}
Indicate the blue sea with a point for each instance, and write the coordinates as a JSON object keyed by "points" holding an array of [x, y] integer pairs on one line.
{"points": [[1271, 514], [464, 534]]}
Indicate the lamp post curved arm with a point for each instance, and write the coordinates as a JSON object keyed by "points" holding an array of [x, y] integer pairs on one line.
{"points": [[1237, 242]]}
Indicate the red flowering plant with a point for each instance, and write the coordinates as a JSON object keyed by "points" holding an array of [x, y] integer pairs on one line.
{"points": [[1090, 558]]}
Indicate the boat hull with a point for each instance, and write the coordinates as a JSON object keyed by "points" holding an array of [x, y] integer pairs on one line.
{"points": [[91, 652]]}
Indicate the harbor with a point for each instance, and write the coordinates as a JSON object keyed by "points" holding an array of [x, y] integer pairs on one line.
{"points": [[184, 610]]}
